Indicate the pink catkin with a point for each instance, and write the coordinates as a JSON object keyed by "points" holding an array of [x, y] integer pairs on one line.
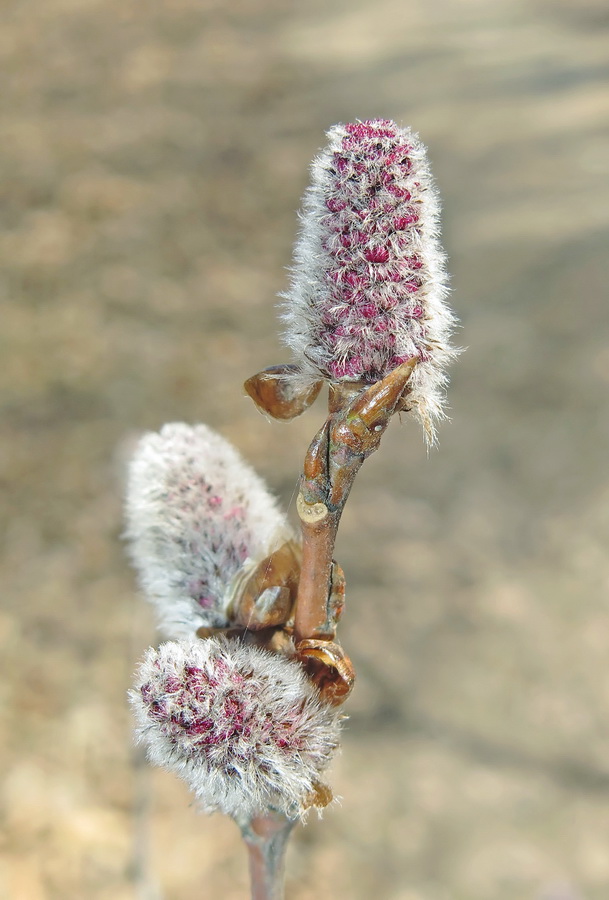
{"points": [[243, 727], [369, 281]]}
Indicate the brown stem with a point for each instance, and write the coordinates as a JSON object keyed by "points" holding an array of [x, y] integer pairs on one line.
{"points": [[319, 526], [352, 431], [318, 540], [266, 837]]}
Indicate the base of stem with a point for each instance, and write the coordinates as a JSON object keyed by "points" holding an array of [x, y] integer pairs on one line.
{"points": [[266, 837]]}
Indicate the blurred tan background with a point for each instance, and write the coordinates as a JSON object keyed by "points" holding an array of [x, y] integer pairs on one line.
{"points": [[153, 156]]}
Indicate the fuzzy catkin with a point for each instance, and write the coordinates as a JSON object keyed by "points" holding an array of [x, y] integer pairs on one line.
{"points": [[369, 282], [243, 727], [197, 515]]}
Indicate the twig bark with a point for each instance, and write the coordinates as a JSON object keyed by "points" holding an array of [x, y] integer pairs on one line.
{"points": [[266, 837], [351, 433]]}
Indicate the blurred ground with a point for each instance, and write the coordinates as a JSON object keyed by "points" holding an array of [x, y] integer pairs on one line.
{"points": [[153, 156]]}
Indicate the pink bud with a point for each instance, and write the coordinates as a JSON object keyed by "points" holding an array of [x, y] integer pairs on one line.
{"points": [[197, 515], [243, 727], [370, 220]]}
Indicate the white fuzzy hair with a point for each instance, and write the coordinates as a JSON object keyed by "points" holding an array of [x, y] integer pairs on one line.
{"points": [[244, 728], [197, 515]]}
